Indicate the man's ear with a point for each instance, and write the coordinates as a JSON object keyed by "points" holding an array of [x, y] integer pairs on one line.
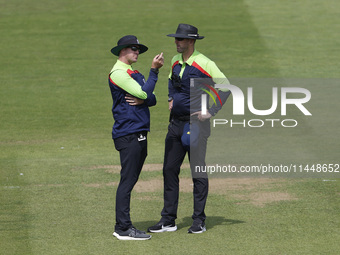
{"points": [[122, 52], [192, 41]]}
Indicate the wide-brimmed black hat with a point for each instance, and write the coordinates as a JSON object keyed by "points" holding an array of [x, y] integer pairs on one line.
{"points": [[186, 31], [127, 41]]}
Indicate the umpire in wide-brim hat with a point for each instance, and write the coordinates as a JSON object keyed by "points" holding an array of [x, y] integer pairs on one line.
{"points": [[186, 31], [127, 41]]}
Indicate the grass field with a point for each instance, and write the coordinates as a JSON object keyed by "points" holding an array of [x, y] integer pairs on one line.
{"points": [[58, 167]]}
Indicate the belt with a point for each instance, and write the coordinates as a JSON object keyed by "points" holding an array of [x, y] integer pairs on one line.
{"points": [[184, 118], [181, 118]]}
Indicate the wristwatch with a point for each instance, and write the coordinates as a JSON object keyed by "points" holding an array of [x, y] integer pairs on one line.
{"points": [[170, 99], [155, 70]]}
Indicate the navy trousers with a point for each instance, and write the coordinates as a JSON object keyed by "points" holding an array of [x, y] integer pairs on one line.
{"points": [[173, 158], [133, 151]]}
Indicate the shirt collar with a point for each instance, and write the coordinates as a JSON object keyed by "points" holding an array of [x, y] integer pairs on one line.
{"points": [[191, 59], [122, 65]]}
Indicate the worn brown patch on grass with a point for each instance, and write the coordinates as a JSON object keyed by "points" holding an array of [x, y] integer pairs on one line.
{"points": [[99, 185], [147, 167], [263, 198], [254, 186], [256, 189], [217, 186]]}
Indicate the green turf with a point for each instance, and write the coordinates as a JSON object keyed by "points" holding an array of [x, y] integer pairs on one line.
{"points": [[56, 195]]}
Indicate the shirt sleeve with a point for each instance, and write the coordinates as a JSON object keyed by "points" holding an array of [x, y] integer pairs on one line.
{"points": [[123, 80], [151, 101], [217, 75], [171, 88], [223, 93]]}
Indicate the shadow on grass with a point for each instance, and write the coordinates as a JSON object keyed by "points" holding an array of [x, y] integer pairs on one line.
{"points": [[211, 222], [186, 222]]}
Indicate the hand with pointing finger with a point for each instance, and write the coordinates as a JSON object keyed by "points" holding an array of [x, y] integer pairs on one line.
{"points": [[158, 61]]}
